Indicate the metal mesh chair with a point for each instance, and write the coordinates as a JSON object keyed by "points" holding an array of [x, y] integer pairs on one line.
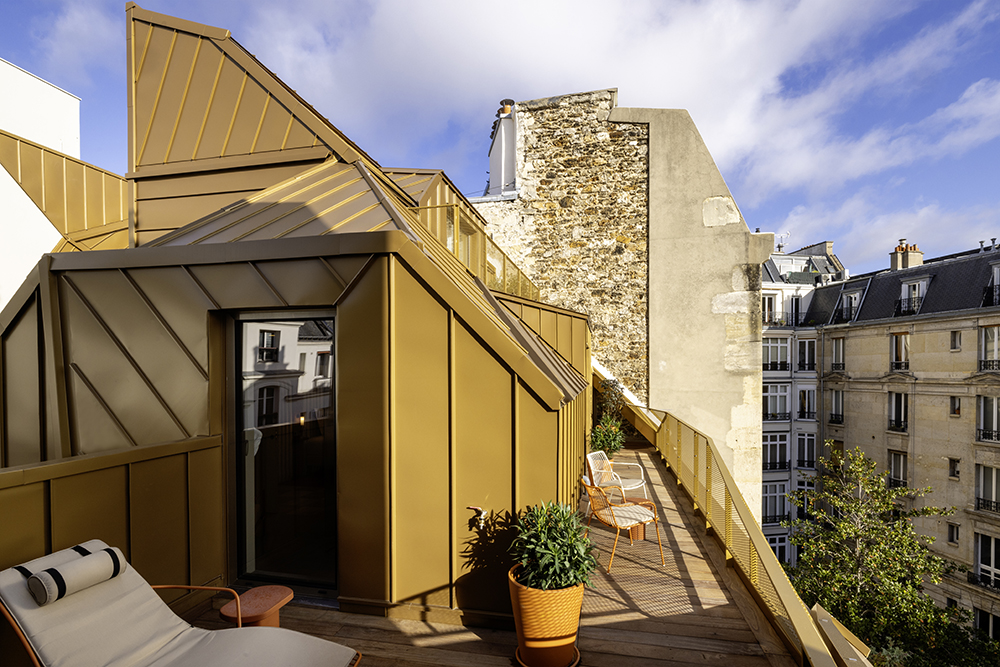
{"points": [[602, 474], [621, 517]]}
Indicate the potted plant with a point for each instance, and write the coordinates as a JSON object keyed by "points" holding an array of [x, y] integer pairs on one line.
{"points": [[608, 435], [554, 560]]}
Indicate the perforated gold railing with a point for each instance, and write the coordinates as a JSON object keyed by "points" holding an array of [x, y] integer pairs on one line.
{"points": [[704, 477], [464, 237]]}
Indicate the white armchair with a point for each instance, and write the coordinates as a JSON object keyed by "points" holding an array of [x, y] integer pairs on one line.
{"points": [[605, 474]]}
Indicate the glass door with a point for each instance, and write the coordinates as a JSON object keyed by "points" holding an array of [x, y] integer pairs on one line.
{"points": [[287, 467]]}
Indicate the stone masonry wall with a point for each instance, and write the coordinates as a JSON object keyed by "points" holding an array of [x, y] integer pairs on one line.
{"points": [[578, 227]]}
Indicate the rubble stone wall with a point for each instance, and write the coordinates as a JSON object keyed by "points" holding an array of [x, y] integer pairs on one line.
{"points": [[578, 227]]}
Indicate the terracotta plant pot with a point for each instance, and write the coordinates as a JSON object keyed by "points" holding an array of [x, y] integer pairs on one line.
{"points": [[546, 622]]}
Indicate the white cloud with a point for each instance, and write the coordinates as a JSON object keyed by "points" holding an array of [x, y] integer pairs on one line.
{"points": [[80, 38], [867, 232], [399, 77]]}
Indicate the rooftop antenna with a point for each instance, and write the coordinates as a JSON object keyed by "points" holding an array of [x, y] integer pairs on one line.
{"points": [[782, 240]]}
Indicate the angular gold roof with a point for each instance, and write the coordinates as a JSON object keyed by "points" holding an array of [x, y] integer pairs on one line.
{"points": [[87, 205], [197, 96], [415, 182], [331, 198]]}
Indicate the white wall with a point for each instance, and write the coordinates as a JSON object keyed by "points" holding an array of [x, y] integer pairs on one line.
{"points": [[40, 112]]}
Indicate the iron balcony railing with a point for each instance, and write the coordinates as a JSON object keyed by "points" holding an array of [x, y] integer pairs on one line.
{"points": [[775, 365], [836, 418], [776, 465], [774, 518], [807, 365], [987, 435], [907, 306], [837, 366], [807, 463], [989, 364], [988, 505], [775, 319], [898, 425], [899, 365], [844, 314], [894, 483], [991, 296], [777, 416], [805, 414], [703, 476], [984, 580]]}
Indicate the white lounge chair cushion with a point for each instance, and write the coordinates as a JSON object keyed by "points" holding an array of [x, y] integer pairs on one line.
{"points": [[631, 515], [74, 576], [122, 622]]}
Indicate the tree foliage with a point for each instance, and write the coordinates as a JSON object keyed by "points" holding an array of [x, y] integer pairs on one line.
{"points": [[860, 558]]}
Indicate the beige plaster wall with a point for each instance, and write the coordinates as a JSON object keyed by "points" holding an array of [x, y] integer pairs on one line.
{"points": [[704, 295], [623, 213]]}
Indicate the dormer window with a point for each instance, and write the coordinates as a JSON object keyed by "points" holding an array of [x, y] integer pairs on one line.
{"points": [[848, 307], [991, 293], [911, 296]]}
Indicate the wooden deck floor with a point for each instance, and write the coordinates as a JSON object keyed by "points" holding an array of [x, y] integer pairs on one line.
{"points": [[693, 611]]}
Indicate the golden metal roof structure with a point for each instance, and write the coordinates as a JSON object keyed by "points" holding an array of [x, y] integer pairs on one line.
{"points": [[209, 125], [196, 95], [85, 204], [416, 182], [330, 198]]}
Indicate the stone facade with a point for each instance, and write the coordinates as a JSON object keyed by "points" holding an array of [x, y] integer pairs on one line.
{"points": [[623, 214], [578, 227]]}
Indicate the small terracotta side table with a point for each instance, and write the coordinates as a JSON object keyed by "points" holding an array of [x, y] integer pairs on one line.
{"points": [[639, 532], [260, 606]]}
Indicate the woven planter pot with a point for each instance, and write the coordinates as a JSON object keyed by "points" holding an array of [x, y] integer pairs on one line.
{"points": [[546, 622]]}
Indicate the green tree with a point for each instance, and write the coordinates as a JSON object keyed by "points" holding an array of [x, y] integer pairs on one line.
{"points": [[860, 558]]}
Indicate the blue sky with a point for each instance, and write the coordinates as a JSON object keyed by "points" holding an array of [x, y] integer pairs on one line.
{"points": [[855, 121]]}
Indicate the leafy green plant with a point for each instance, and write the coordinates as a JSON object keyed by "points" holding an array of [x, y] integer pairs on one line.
{"points": [[552, 549], [861, 559], [612, 398], [607, 436]]}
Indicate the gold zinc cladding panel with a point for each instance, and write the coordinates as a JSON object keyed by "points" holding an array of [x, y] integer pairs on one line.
{"points": [[196, 95], [85, 204], [330, 198], [415, 182]]}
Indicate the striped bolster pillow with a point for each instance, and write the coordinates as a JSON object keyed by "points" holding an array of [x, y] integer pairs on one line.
{"points": [[56, 583]]}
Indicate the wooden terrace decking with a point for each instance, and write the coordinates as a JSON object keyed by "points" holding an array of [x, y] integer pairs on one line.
{"points": [[694, 611]]}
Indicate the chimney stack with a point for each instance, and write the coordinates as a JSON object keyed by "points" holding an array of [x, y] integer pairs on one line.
{"points": [[905, 256], [913, 257], [896, 256]]}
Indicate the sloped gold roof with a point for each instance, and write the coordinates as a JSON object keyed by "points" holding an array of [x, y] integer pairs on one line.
{"points": [[87, 205], [197, 96], [415, 182], [330, 198]]}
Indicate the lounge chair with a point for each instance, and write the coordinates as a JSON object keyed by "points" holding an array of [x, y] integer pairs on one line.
{"points": [[87, 606]]}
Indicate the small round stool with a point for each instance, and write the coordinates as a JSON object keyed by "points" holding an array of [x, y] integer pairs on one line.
{"points": [[638, 533], [260, 606]]}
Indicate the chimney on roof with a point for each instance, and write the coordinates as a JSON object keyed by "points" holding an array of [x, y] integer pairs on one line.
{"points": [[502, 147], [905, 256], [896, 256], [981, 248]]}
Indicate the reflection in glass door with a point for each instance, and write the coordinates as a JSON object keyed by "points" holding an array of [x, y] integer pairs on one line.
{"points": [[287, 467]]}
